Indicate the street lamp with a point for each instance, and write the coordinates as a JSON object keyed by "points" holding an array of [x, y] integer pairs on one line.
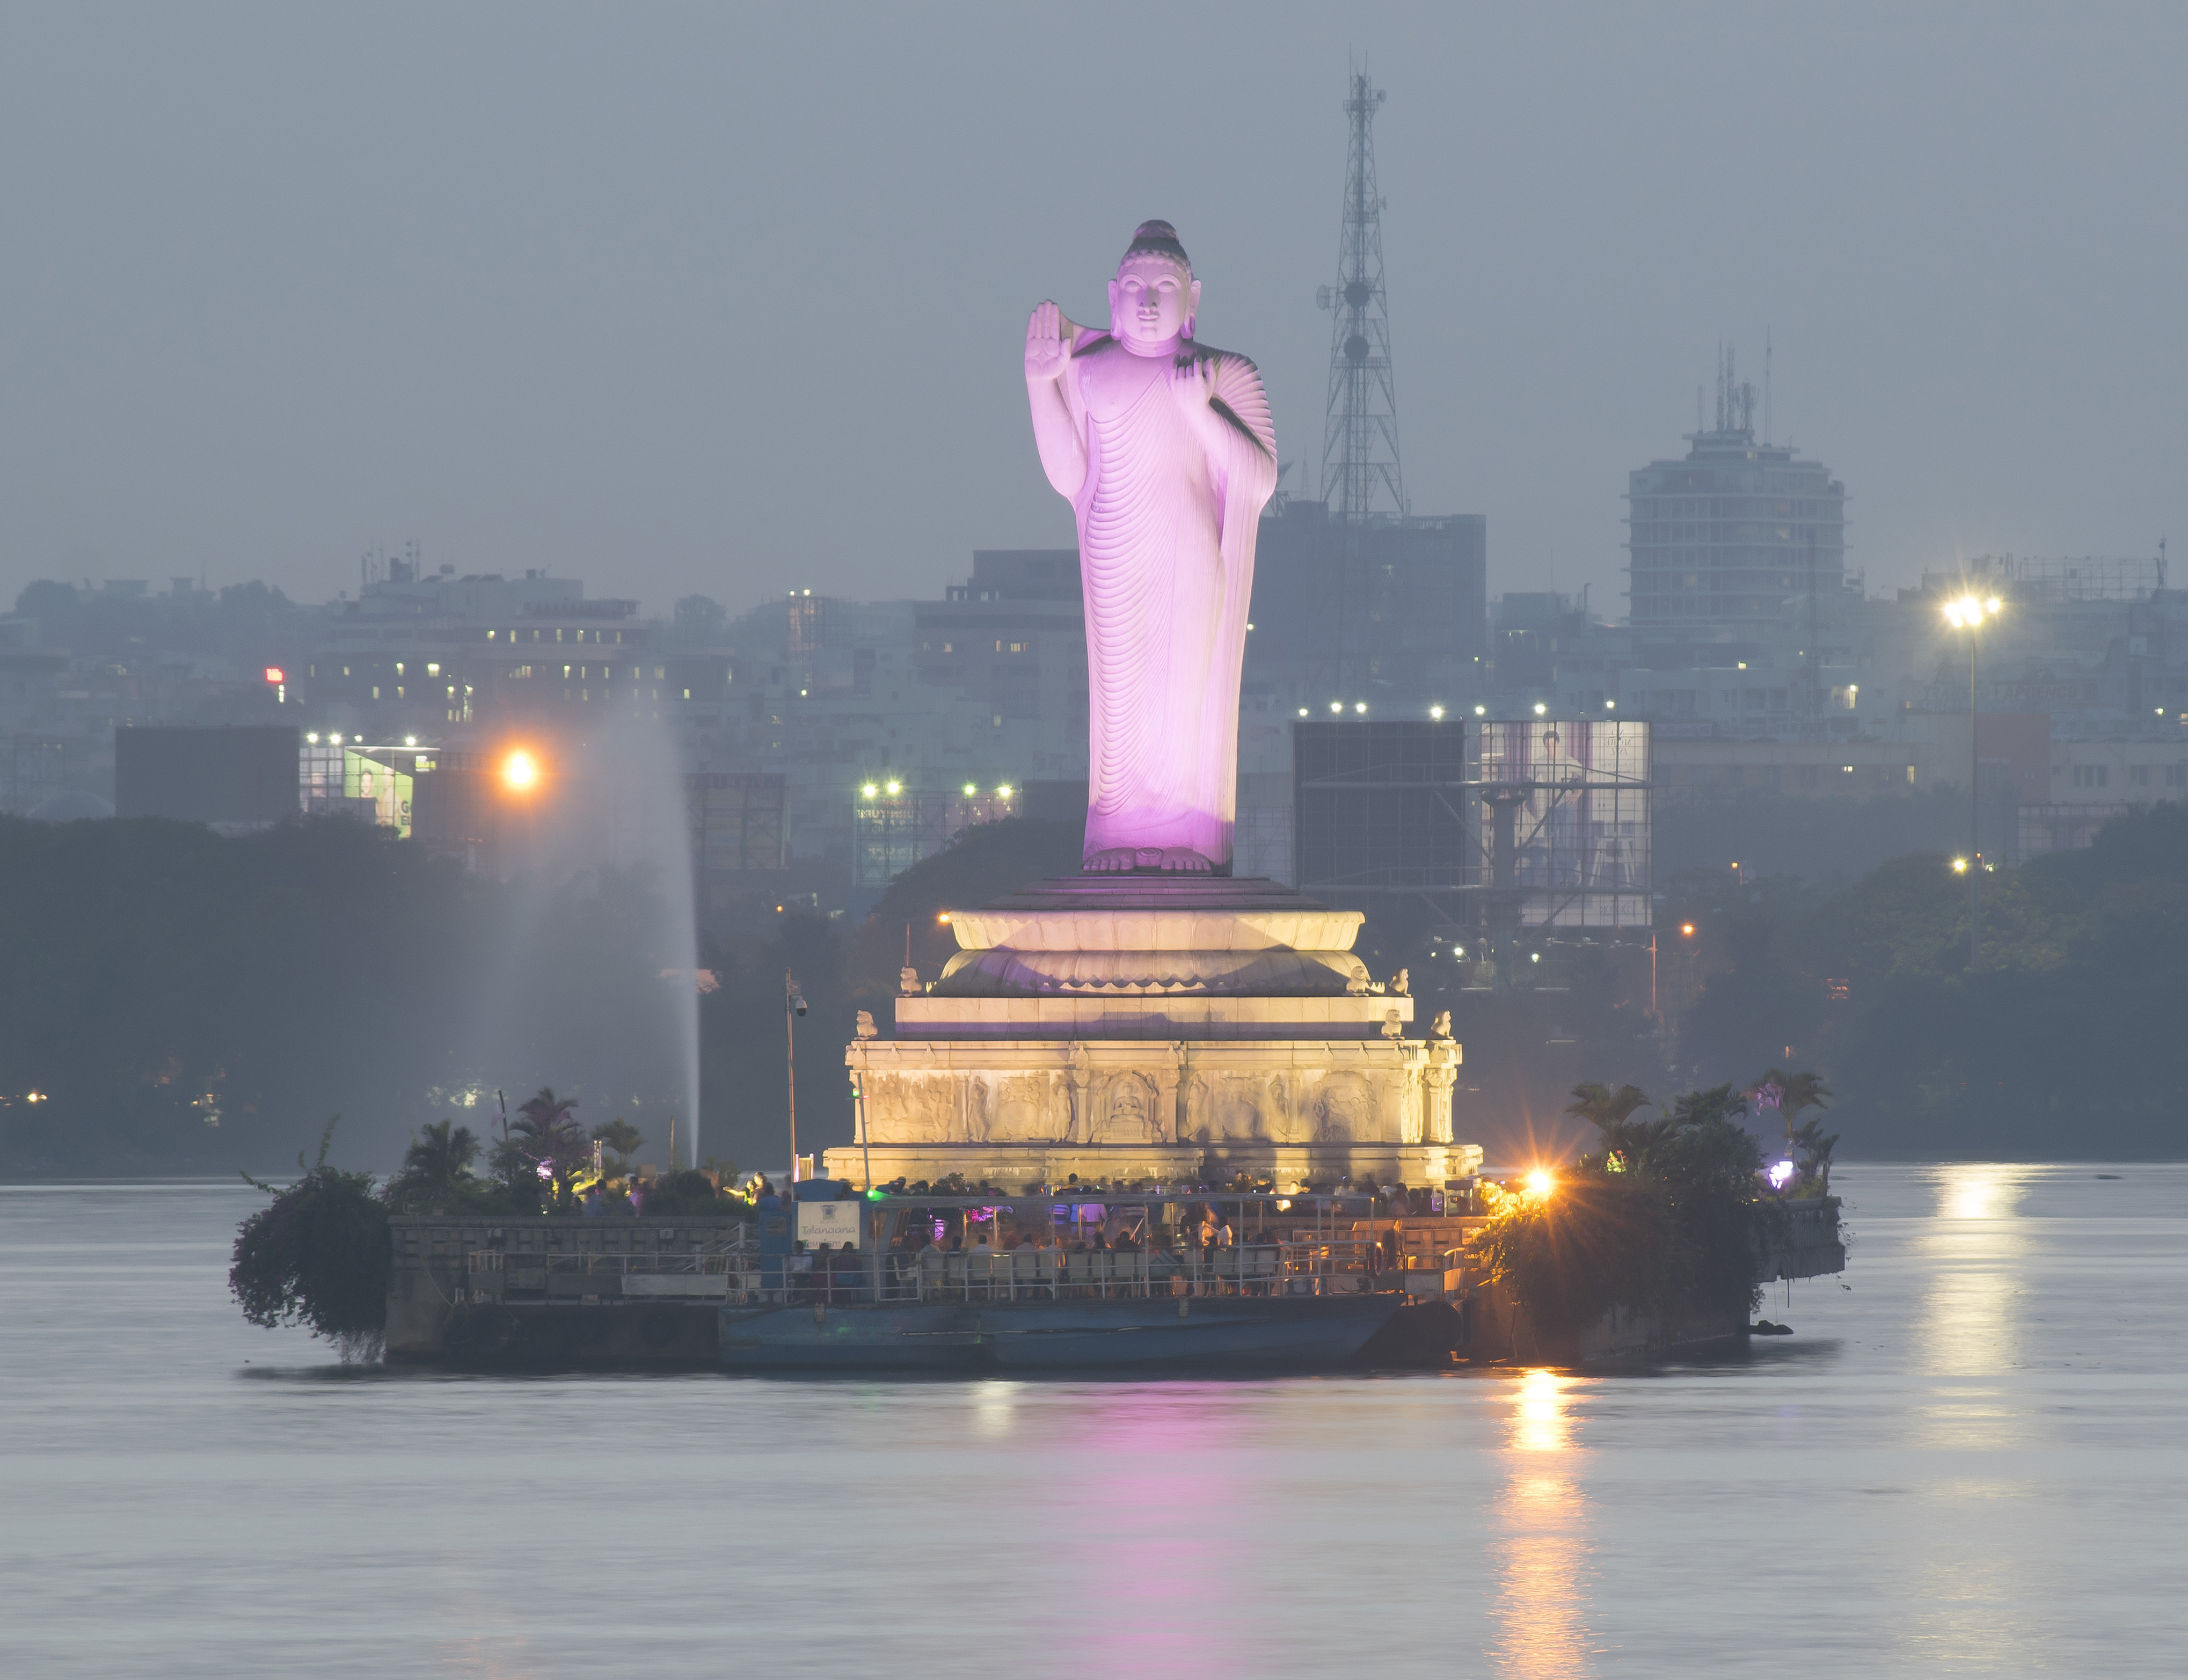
{"points": [[1970, 613]]}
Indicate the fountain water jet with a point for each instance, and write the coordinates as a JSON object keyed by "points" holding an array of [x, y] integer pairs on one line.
{"points": [[593, 984]]}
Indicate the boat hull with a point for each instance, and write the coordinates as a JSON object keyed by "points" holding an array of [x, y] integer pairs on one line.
{"points": [[1209, 1331]]}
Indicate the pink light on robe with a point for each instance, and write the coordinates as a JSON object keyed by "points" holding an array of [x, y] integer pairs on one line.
{"points": [[1165, 448]]}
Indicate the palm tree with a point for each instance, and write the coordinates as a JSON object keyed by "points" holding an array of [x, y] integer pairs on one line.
{"points": [[621, 1138], [551, 1134], [1812, 1145], [1603, 1108], [1805, 1090], [1798, 1092], [438, 1156], [1625, 1140], [1704, 1107]]}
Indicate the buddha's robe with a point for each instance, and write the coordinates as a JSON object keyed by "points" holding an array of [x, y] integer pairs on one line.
{"points": [[1167, 518]]}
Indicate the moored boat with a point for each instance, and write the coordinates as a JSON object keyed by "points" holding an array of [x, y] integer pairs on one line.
{"points": [[1062, 1280], [1206, 1331]]}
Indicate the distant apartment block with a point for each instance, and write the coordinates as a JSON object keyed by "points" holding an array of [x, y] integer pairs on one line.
{"points": [[1729, 537]]}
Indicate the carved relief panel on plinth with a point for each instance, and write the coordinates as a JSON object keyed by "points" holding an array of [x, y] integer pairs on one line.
{"points": [[1130, 1110]]}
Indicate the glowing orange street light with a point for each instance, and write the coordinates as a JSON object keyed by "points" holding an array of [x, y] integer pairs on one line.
{"points": [[519, 771], [1539, 1183], [1687, 929]]}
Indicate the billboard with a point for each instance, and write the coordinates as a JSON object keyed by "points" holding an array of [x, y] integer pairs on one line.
{"points": [[1543, 823], [739, 821], [374, 784], [1380, 807], [1563, 811], [244, 776], [893, 827]]}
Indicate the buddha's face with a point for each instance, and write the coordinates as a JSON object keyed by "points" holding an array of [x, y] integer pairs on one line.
{"points": [[1152, 302]]}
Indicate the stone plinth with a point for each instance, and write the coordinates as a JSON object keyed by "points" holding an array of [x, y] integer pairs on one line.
{"points": [[1170, 1015], [1125, 1026]]}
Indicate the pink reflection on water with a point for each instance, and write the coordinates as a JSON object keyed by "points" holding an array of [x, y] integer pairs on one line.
{"points": [[1158, 1532]]}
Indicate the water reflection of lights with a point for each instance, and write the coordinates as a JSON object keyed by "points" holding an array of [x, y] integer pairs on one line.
{"points": [[1543, 1516], [1540, 1422], [1156, 1527], [1981, 1190], [1972, 1253], [995, 1407]]}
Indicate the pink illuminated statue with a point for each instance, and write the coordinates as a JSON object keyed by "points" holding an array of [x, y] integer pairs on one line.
{"points": [[1164, 449]]}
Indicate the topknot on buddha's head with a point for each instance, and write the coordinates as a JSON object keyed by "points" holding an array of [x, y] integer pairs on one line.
{"points": [[1156, 239]]}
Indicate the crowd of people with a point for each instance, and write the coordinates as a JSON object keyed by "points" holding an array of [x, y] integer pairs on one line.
{"points": [[922, 1260], [1069, 1249]]}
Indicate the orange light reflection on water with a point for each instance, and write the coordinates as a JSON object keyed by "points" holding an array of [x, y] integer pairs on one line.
{"points": [[1542, 1514]]}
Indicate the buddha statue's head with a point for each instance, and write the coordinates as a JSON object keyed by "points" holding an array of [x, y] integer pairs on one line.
{"points": [[1154, 298]]}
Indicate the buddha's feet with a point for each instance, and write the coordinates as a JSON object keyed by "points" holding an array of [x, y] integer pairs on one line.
{"points": [[1171, 859]]}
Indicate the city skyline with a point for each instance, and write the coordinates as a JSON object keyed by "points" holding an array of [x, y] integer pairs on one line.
{"points": [[488, 298]]}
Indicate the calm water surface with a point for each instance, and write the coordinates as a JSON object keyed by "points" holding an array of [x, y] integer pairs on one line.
{"points": [[1970, 1462]]}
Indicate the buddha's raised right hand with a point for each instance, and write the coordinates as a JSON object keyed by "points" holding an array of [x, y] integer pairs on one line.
{"points": [[1048, 343]]}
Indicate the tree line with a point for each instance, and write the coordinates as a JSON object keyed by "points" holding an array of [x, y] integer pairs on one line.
{"points": [[178, 1001]]}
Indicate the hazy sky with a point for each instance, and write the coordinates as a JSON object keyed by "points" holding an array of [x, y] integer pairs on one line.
{"points": [[731, 299]]}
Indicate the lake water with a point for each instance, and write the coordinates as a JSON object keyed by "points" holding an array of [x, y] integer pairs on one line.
{"points": [[1969, 1462]]}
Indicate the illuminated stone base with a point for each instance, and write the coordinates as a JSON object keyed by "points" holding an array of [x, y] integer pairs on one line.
{"points": [[1012, 1167], [1126, 1028]]}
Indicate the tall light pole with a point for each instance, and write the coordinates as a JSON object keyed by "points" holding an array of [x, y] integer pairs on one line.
{"points": [[1968, 613], [793, 1005]]}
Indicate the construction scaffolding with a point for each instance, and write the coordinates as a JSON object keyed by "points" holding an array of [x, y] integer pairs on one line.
{"points": [[739, 822], [1563, 822], [1488, 829], [2088, 578], [895, 827]]}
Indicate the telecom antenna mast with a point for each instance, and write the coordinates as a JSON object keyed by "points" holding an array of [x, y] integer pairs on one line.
{"points": [[1360, 473]]}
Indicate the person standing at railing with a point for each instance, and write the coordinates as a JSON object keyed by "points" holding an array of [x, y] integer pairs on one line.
{"points": [[845, 1267]]}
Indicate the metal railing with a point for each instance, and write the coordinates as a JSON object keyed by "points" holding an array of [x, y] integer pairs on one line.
{"points": [[1303, 1264], [698, 1261], [719, 1269], [1329, 1266]]}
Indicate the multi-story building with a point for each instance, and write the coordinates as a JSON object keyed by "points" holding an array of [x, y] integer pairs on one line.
{"points": [[880, 716], [436, 654], [1386, 611], [80, 662], [1012, 642], [1738, 535]]}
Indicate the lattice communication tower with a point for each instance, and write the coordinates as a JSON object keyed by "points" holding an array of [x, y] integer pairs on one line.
{"points": [[1360, 472]]}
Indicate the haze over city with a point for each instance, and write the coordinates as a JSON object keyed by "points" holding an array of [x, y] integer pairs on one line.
{"points": [[628, 294], [1199, 840]]}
